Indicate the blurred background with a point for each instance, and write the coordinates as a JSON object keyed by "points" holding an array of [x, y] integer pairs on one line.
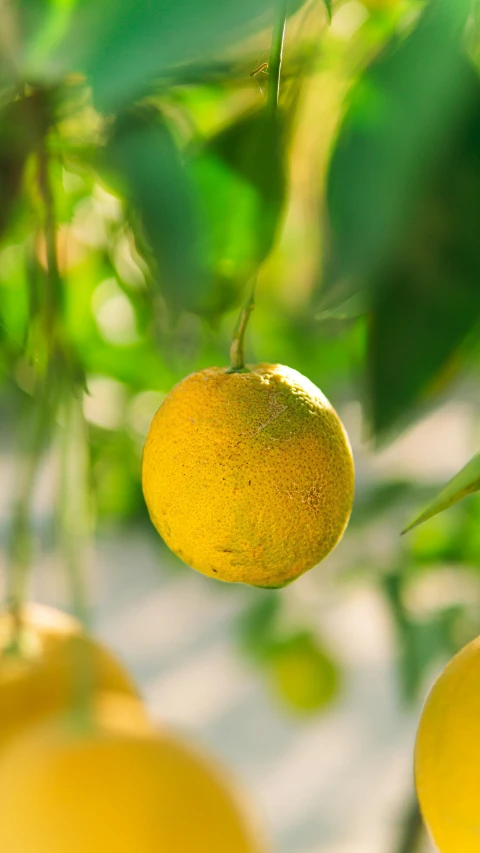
{"points": [[144, 185]]}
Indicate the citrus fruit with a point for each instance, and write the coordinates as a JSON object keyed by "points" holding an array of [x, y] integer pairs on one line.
{"points": [[116, 785], [447, 755], [303, 674], [44, 673], [248, 476]]}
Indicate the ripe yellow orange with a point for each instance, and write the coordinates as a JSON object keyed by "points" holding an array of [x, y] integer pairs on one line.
{"points": [[248, 476], [54, 662], [447, 755], [116, 786]]}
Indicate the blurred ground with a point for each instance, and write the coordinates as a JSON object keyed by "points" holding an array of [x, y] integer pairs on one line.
{"points": [[336, 783]]}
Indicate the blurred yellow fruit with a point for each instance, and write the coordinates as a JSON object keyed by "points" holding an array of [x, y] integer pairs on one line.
{"points": [[304, 675], [54, 662], [115, 786], [447, 755], [248, 476]]}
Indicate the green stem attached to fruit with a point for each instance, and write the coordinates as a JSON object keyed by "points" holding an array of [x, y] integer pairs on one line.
{"points": [[237, 350]]}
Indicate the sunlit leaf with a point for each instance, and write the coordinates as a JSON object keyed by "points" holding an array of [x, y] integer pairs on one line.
{"points": [[124, 45], [44, 24], [465, 483]]}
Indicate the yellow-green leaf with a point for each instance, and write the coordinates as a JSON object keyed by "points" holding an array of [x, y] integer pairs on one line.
{"points": [[464, 483], [328, 6]]}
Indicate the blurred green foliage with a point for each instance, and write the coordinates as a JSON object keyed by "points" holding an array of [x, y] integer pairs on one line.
{"points": [[297, 666], [167, 189]]}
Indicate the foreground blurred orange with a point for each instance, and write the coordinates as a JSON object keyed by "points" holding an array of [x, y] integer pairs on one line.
{"points": [[47, 664], [111, 784]]}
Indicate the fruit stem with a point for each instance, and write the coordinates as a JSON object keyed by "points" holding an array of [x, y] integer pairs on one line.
{"points": [[276, 56], [237, 355], [237, 350]]}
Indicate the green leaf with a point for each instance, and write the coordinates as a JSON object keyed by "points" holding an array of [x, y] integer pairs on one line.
{"points": [[115, 476], [355, 306], [124, 45], [44, 24], [421, 643], [404, 205], [146, 159], [329, 8], [382, 498], [16, 142], [465, 483], [258, 627], [425, 302], [394, 129], [240, 178]]}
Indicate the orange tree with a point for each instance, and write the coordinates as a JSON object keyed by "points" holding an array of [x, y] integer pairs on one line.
{"points": [[158, 160]]}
